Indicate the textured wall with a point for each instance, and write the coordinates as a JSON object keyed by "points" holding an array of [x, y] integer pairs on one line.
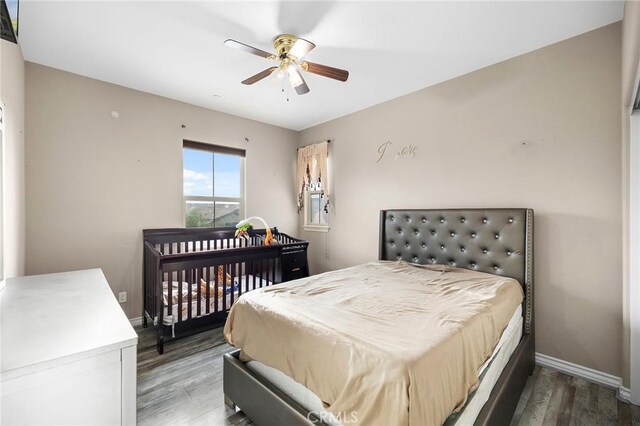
{"points": [[564, 100], [94, 182]]}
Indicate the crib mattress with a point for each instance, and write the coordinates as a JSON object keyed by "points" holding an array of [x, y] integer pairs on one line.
{"points": [[244, 283]]}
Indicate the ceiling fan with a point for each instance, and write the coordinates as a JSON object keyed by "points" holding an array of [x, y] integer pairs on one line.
{"points": [[289, 52]]}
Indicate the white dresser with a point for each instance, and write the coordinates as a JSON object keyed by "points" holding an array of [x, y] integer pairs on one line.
{"points": [[67, 352]]}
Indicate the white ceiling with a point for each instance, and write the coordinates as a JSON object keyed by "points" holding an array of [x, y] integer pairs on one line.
{"points": [[175, 49]]}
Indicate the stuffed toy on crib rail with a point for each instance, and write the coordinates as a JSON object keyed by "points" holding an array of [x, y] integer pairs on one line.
{"points": [[243, 227]]}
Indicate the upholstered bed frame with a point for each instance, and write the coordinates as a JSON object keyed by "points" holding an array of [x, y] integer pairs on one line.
{"points": [[498, 241]]}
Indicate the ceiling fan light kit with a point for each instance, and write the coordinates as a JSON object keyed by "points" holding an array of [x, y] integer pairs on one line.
{"points": [[290, 50]]}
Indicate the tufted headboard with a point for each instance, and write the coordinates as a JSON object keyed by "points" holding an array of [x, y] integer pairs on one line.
{"points": [[497, 241]]}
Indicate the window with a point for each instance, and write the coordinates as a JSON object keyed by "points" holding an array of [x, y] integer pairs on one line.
{"points": [[312, 188], [213, 185], [316, 214]]}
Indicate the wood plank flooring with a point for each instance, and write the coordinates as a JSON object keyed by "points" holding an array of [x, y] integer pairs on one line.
{"points": [[553, 398], [184, 387]]}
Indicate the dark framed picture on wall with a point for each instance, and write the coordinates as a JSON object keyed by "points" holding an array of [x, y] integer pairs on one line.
{"points": [[9, 11]]}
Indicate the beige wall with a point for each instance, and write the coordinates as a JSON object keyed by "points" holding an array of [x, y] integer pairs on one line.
{"points": [[94, 182], [630, 58], [12, 95], [564, 100], [630, 49]]}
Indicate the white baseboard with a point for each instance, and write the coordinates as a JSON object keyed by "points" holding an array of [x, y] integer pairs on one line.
{"points": [[624, 394], [135, 321], [586, 373]]}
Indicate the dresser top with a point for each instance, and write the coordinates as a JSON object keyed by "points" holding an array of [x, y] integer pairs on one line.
{"points": [[47, 320]]}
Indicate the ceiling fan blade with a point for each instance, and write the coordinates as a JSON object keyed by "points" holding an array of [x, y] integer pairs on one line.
{"points": [[325, 71], [297, 81], [300, 48], [259, 76], [249, 49]]}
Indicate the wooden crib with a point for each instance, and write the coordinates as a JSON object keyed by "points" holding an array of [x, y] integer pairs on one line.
{"points": [[192, 276]]}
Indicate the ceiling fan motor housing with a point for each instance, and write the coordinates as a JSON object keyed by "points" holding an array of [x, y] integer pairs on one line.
{"points": [[283, 44]]}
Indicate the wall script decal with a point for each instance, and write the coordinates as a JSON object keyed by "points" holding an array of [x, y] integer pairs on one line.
{"points": [[408, 151]]}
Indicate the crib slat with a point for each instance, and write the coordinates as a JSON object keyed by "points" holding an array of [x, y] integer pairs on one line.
{"points": [[216, 288], [224, 287], [267, 272], [273, 271], [259, 273], [198, 290], [222, 278], [253, 271], [207, 289], [189, 316], [239, 268], [246, 276], [180, 279], [169, 293], [232, 291]]}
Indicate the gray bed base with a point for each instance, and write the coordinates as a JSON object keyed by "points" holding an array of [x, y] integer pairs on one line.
{"points": [[479, 239], [265, 404]]}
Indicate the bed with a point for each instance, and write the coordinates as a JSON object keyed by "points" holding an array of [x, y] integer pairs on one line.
{"points": [[193, 276], [471, 247]]}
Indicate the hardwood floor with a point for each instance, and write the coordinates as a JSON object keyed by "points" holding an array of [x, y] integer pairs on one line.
{"points": [[553, 398], [184, 387]]}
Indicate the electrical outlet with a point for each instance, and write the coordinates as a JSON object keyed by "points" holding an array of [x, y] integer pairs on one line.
{"points": [[122, 296]]}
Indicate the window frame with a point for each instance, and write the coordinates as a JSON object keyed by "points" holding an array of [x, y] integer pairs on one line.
{"points": [[308, 225], [214, 149]]}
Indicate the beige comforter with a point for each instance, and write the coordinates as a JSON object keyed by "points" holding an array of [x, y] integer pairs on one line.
{"points": [[385, 343]]}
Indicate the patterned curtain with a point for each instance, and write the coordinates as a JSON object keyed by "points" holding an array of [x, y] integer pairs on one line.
{"points": [[312, 172]]}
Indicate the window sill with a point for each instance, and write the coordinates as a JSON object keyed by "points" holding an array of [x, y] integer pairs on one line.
{"points": [[316, 228]]}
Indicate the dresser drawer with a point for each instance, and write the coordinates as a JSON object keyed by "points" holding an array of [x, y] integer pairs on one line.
{"points": [[294, 266], [294, 274], [291, 261]]}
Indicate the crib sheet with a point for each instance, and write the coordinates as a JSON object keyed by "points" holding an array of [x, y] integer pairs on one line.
{"points": [[245, 283]]}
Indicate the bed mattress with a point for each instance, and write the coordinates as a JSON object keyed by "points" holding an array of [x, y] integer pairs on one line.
{"points": [[397, 343], [488, 376]]}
